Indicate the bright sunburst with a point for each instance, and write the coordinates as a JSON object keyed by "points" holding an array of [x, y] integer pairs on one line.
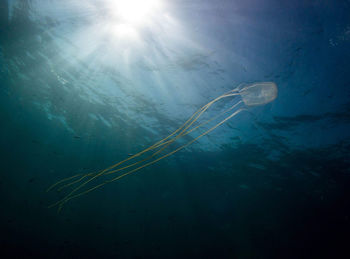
{"points": [[134, 11]]}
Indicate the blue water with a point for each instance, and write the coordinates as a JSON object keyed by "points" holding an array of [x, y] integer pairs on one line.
{"points": [[83, 87]]}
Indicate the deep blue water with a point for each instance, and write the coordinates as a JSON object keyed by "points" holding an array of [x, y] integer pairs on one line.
{"points": [[83, 87]]}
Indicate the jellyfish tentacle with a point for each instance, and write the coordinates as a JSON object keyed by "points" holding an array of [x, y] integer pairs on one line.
{"points": [[61, 181], [183, 131], [125, 160], [190, 121], [74, 182], [158, 144], [150, 163]]}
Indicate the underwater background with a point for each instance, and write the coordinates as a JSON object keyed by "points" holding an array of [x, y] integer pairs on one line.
{"points": [[83, 87]]}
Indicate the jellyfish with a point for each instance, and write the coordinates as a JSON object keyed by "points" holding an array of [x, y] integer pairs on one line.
{"points": [[254, 94]]}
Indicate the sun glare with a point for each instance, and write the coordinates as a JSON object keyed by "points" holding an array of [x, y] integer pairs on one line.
{"points": [[134, 11], [124, 30]]}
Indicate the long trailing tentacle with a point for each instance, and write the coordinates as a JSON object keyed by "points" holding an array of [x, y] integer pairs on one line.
{"points": [[155, 153], [154, 146], [150, 163], [74, 182], [182, 131], [134, 156], [61, 181]]}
